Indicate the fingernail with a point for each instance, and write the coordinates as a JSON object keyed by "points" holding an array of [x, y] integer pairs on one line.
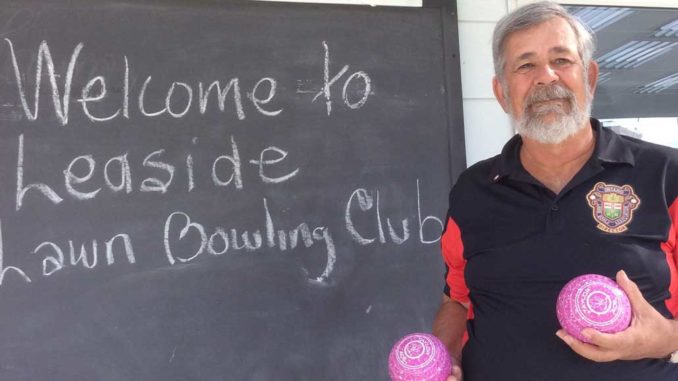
{"points": [[565, 337], [623, 274]]}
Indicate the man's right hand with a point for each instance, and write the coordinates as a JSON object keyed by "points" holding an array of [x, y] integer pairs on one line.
{"points": [[456, 374], [449, 326]]}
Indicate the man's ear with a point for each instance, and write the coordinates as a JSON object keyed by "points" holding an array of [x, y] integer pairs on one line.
{"points": [[593, 76], [498, 90]]}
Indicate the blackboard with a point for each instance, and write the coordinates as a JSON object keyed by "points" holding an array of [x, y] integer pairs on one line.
{"points": [[221, 190]]}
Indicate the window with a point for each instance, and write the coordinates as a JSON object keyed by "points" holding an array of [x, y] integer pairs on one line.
{"points": [[637, 51]]}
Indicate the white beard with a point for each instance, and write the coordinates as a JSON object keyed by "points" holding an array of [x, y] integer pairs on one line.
{"points": [[534, 124]]}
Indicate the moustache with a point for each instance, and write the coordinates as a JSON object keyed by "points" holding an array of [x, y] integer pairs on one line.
{"points": [[549, 93]]}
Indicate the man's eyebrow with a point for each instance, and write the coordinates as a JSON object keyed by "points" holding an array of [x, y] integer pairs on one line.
{"points": [[526, 56], [555, 49], [560, 49]]}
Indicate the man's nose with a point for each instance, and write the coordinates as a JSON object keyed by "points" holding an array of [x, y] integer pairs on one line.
{"points": [[546, 75]]}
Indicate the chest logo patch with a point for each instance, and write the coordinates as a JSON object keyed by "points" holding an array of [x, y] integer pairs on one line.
{"points": [[613, 206]]}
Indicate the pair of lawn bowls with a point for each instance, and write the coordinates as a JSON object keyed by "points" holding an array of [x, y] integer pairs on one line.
{"points": [[587, 301]]}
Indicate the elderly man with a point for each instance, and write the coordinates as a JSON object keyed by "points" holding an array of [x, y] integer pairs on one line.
{"points": [[523, 223]]}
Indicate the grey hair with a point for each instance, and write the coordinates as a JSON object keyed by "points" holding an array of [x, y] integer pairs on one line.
{"points": [[534, 14]]}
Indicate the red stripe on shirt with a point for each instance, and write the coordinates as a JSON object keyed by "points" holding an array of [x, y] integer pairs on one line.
{"points": [[670, 247], [453, 254]]}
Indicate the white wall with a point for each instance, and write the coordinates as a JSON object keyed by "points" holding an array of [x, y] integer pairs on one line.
{"points": [[486, 126]]}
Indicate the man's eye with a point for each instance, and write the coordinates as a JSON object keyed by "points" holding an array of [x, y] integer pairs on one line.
{"points": [[525, 66], [562, 61]]}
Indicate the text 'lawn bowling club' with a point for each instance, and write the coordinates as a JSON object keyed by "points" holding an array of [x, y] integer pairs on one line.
{"points": [[419, 357], [593, 301]]}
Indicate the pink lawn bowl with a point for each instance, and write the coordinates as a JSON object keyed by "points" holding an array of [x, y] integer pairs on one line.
{"points": [[419, 357], [593, 301]]}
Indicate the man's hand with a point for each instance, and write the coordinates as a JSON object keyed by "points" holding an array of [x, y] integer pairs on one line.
{"points": [[650, 334], [456, 374], [449, 326]]}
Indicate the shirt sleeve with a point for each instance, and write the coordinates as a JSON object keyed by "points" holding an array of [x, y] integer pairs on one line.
{"points": [[670, 247], [453, 254]]}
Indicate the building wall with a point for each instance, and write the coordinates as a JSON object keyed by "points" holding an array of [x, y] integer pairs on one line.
{"points": [[486, 126]]}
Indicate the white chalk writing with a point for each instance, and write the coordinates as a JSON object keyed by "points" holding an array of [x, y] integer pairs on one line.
{"points": [[327, 84], [4, 270], [219, 240], [215, 163], [367, 201], [225, 169], [85, 258]]}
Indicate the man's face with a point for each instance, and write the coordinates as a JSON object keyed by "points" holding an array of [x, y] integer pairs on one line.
{"points": [[544, 89]]}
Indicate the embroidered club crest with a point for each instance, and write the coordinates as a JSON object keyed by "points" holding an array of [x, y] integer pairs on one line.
{"points": [[613, 206]]}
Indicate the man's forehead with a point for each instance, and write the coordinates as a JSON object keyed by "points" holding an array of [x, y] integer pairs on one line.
{"points": [[552, 36]]}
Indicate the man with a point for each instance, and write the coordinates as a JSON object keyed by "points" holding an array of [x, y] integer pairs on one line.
{"points": [[564, 198]]}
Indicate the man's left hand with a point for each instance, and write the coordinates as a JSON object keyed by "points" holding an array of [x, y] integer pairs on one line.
{"points": [[650, 334]]}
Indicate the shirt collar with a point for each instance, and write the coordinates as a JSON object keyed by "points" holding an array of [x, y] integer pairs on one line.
{"points": [[609, 148]]}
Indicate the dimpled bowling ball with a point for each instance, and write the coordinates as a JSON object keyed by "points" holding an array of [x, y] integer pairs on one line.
{"points": [[419, 357], [593, 301]]}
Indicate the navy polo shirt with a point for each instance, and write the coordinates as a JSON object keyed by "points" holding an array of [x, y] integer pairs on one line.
{"points": [[510, 244]]}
